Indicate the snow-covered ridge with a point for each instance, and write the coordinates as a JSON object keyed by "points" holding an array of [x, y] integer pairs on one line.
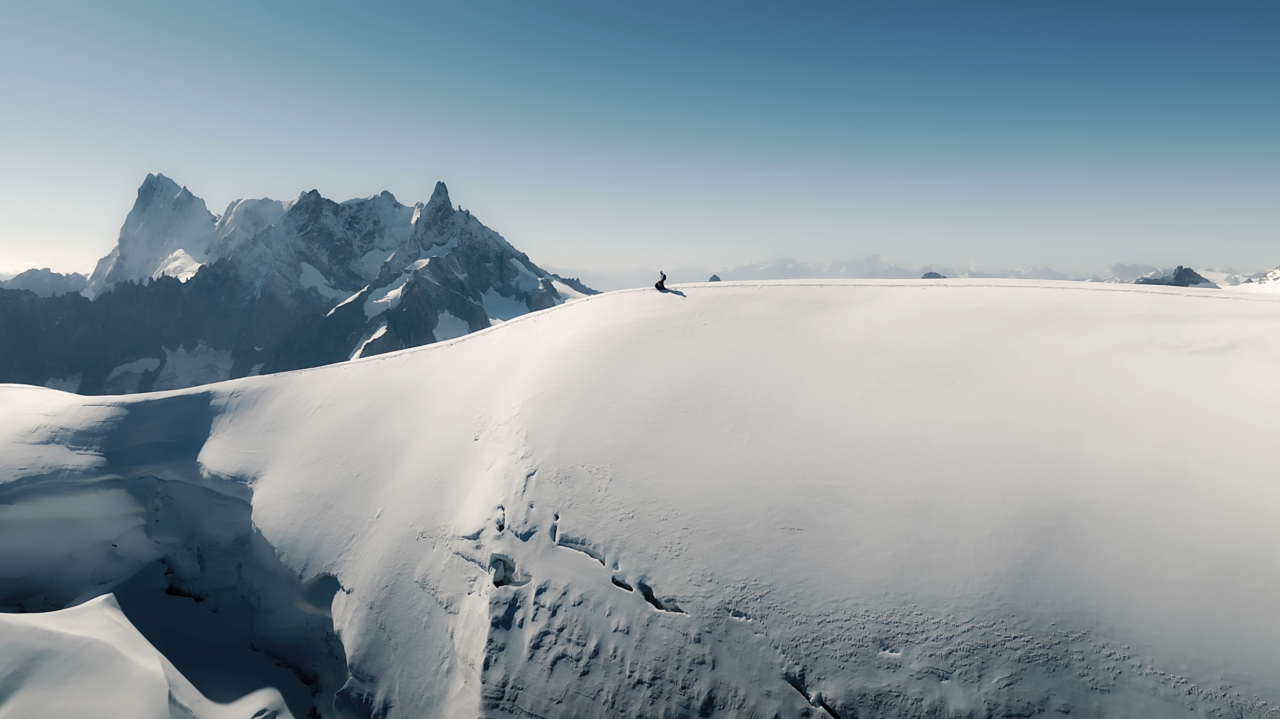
{"points": [[171, 233], [889, 499], [270, 286], [45, 282]]}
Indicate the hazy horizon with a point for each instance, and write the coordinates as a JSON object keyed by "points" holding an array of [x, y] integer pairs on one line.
{"points": [[615, 138]]}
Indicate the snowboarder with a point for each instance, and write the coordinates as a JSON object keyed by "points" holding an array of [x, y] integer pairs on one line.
{"points": [[661, 285]]}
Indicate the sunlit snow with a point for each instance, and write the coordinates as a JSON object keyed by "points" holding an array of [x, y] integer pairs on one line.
{"points": [[385, 298], [179, 265], [872, 499], [375, 334]]}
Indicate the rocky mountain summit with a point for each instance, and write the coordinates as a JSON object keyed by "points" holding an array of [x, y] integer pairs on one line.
{"points": [[1180, 277], [188, 297]]}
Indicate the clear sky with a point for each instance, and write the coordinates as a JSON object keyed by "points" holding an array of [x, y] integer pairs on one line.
{"points": [[611, 135]]}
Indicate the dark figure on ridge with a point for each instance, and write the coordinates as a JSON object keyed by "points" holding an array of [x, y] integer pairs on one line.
{"points": [[661, 285]]}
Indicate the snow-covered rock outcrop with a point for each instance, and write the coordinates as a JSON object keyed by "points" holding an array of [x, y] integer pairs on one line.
{"points": [[242, 221], [1179, 277], [939, 498], [270, 286], [1261, 282]]}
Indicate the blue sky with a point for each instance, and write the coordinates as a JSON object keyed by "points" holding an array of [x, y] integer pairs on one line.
{"points": [[616, 135]]}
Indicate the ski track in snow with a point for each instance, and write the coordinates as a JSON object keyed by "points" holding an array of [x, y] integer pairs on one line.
{"points": [[863, 498]]}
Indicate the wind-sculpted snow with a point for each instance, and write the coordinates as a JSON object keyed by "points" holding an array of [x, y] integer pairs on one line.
{"points": [[89, 661], [857, 499]]}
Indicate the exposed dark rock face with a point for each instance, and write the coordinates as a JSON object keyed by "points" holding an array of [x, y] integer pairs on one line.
{"points": [[575, 284], [932, 276], [714, 278], [310, 282], [1181, 277]]}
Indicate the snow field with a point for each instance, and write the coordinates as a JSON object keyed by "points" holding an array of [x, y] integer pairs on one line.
{"points": [[875, 498]]}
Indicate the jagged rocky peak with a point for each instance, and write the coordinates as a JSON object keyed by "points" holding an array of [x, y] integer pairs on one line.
{"points": [[188, 298], [169, 231], [284, 248], [430, 219], [440, 196], [1180, 277]]}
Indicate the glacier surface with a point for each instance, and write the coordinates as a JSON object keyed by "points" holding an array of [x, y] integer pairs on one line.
{"points": [[955, 498]]}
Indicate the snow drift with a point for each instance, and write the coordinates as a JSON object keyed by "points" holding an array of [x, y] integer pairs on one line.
{"points": [[854, 499]]}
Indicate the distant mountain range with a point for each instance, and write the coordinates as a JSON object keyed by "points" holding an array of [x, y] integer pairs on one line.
{"points": [[876, 267], [188, 297], [46, 283]]}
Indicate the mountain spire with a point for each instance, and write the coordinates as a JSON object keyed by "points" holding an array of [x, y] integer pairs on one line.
{"points": [[168, 232], [440, 196]]}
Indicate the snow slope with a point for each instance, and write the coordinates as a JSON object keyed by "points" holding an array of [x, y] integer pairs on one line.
{"points": [[872, 499], [89, 661]]}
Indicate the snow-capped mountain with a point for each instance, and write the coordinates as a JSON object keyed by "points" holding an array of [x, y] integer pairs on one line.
{"points": [[876, 267], [1179, 277], [1262, 281], [785, 268], [188, 297], [45, 282], [938, 498], [869, 267], [168, 232]]}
